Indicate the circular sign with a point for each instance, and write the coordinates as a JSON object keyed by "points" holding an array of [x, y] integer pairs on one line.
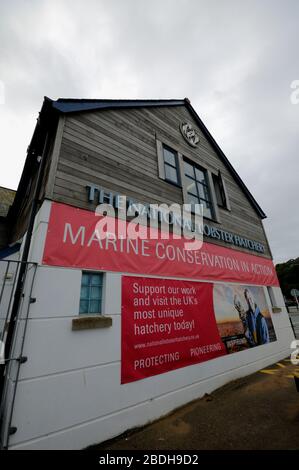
{"points": [[189, 133], [295, 292]]}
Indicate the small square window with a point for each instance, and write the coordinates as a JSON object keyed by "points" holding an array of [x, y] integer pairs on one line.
{"points": [[91, 293]]}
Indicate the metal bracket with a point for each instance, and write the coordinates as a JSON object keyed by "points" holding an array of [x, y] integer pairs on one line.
{"points": [[12, 430], [20, 359]]}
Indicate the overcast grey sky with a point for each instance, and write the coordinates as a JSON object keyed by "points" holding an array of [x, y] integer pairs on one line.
{"points": [[235, 60]]}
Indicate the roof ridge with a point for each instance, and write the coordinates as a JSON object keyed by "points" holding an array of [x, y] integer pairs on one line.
{"points": [[121, 100]]}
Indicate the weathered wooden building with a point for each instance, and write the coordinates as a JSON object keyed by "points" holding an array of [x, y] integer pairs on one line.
{"points": [[6, 200], [98, 356]]}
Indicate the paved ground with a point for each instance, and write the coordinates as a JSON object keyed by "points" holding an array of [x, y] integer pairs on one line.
{"points": [[294, 315], [260, 411]]}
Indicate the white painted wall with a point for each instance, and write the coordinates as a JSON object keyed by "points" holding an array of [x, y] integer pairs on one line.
{"points": [[69, 394]]}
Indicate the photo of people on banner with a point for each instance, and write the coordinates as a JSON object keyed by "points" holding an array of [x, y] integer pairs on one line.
{"points": [[168, 324], [242, 316]]}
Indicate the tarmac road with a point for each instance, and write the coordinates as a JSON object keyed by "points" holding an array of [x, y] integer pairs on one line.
{"points": [[295, 321], [260, 411]]}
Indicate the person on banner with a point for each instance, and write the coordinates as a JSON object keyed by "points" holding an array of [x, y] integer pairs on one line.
{"points": [[257, 324], [243, 317]]}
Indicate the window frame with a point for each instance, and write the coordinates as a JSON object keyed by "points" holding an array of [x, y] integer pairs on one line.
{"points": [[160, 144], [181, 156], [206, 186], [90, 285], [176, 167]]}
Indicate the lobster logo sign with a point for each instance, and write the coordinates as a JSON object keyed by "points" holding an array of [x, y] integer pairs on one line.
{"points": [[189, 134]]}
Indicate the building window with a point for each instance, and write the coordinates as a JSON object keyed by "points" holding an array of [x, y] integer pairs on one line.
{"points": [[91, 292], [171, 165], [220, 192], [197, 188]]}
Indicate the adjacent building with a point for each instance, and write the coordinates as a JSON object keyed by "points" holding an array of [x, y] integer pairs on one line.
{"points": [[6, 200]]}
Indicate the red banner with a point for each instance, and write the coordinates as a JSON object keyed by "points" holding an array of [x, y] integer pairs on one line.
{"points": [[166, 324], [71, 241]]}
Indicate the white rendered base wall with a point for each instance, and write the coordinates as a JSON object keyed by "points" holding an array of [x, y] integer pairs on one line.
{"points": [[69, 394]]}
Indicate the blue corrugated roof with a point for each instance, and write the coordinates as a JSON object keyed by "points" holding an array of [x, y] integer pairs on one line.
{"points": [[66, 105]]}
